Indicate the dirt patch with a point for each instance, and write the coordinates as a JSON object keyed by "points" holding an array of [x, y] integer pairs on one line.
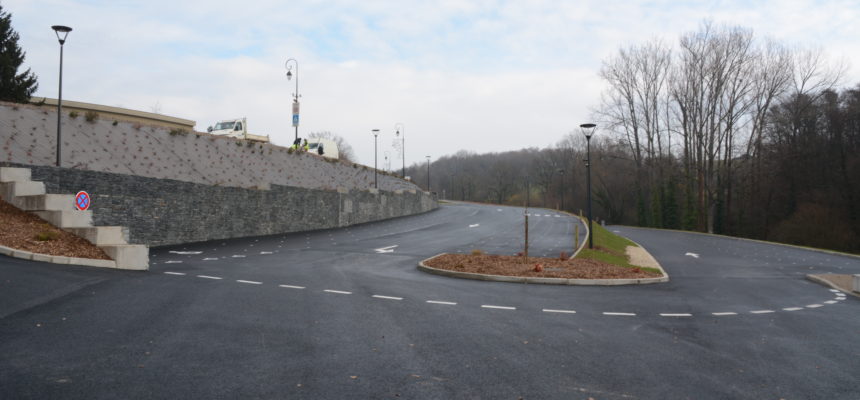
{"points": [[552, 267], [641, 257], [19, 230]]}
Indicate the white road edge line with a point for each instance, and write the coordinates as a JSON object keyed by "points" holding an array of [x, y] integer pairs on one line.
{"points": [[559, 311], [792, 308], [620, 314], [761, 312], [208, 277], [292, 287], [498, 307], [336, 291], [675, 315], [814, 306], [721, 314], [445, 303], [175, 273], [251, 282], [387, 297]]}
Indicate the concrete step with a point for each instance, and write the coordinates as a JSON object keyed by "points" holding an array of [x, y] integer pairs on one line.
{"points": [[67, 219], [10, 190], [45, 202], [128, 256], [8, 174], [102, 235]]}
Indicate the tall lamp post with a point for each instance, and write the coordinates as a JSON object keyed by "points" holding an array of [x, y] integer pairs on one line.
{"points": [[295, 95], [588, 130], [428, 173], [375, 181], [401, 131], [64, 30], [561, 171]]}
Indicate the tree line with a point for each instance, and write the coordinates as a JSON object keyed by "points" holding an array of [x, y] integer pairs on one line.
{"points": [[723, 133]]}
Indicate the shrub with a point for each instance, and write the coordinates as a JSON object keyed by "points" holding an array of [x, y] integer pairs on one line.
{"points": [[180, 132], [115, 123], [46, 236], [477, 252], [91, 116], [73, 114]]}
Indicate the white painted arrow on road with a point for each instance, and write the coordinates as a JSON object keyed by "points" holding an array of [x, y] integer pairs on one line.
{"points": [[694, 255], [474, 225], [389, 249]]}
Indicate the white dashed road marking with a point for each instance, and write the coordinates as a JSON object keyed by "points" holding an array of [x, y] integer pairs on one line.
{"points": [[208, 277], [761, 312], [444, 303], [336, 291], [675, 315], [173, 262], [238, 256], [186, 252], [175, 273], [830, 302], [387, 297], [251, 282], [265, 252], [549, 310], [210, 259], [722, 314], [814, 306], [292, 287], [619, 314], [792, 309], [498, 307]]}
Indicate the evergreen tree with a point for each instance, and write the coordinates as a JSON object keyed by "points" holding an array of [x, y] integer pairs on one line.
{"points": [[14, 87]]}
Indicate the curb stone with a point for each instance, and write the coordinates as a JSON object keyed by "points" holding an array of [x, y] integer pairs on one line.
{"points": [[46, 258], [537, 280], [827, 283]]}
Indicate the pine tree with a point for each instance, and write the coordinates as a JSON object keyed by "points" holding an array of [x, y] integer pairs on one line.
{"points": [[14, 87]]}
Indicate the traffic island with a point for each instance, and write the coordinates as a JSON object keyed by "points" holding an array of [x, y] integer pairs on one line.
{"points": [[553, 271], [841, 282]]}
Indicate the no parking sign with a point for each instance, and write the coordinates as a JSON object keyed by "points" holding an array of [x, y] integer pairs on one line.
{"points": [[82, 201]]}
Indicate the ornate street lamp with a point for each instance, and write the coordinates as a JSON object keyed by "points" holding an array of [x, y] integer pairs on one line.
{"points": [[64, 30], [588, 131]]}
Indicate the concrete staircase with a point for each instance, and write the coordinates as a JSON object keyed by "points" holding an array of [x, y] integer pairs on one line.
{"points": [[18, 189]]}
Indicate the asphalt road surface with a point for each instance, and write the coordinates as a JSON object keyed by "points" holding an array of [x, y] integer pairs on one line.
{"points": [[344, 314]]}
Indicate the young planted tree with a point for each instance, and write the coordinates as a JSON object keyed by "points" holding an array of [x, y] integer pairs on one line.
{"points": [[14, 86]]}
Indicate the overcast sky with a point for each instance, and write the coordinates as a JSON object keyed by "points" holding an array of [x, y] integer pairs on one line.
{"points": [[484, 76]]}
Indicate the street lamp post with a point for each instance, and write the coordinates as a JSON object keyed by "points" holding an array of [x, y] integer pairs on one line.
{"points": [[588, 130], [428, 173], [561, 171], [295, 95], [401, 131], [64, 30], [375, 179]]}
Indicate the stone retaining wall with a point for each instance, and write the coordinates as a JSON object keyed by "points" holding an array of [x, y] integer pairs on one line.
{"points": [[166, 211]]}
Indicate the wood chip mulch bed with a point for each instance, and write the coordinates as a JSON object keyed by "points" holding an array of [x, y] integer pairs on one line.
{"points": [[552, 267], [18, 230]]}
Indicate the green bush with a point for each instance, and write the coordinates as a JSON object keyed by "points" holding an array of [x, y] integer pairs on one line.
{"points": [[45, 236], [73, 114], [91, 116]]}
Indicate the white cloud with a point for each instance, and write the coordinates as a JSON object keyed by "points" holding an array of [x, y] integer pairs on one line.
{"points": [[478, 75]]}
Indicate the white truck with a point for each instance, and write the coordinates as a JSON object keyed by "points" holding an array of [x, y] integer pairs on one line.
{"points": [[237, 128], [325, 147]]}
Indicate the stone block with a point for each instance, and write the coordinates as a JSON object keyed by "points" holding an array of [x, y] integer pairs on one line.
{"points": [[857, 283], [101, 235], [92, 262], [10, 190], [9, 174], [67, 219], [128, 256], [26, 255], [46, 202]]}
